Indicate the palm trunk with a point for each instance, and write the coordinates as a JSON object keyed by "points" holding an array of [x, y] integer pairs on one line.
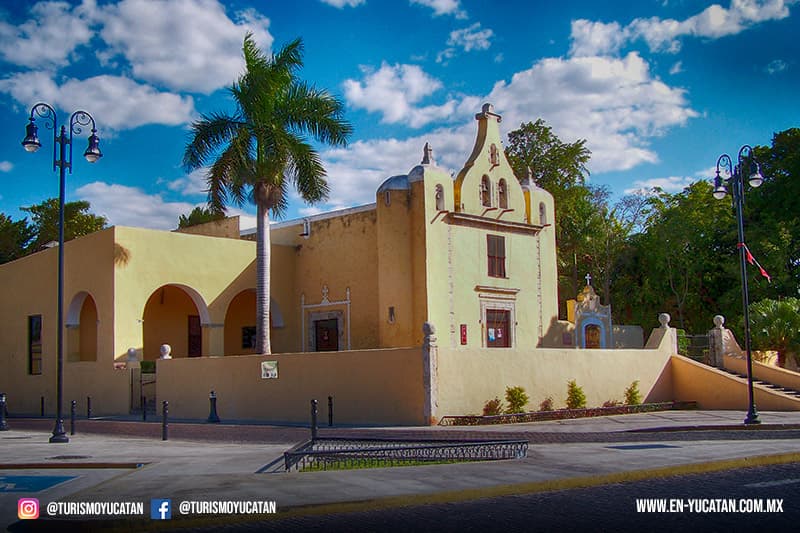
{"points": [[263, 250]]}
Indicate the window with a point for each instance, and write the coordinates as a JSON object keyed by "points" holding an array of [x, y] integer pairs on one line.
{"points": [[498, 333], [439, 198], [35, 344], [496, 251], [249, 338], [486, 192], [502, 192], [542, 214]]}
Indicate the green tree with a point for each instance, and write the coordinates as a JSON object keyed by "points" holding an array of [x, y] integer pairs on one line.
{"points": [[560, 168], [78, 221], [261, 148], [14, 238], [775, 325], [199, 215]]}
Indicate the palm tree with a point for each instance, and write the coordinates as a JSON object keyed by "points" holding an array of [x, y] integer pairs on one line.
{"points": [[775, 325], [261, 148]]}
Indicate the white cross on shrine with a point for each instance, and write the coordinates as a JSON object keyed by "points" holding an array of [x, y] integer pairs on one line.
{"points": [[588, 279]]}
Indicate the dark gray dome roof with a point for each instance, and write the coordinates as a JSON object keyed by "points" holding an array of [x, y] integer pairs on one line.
{"points": [[395, 183]]}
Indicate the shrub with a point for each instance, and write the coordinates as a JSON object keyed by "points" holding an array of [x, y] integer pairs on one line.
{"points": [[611, 403], [516, 399], [632, 394], [493, 407], [547, 404], [576, 399]]}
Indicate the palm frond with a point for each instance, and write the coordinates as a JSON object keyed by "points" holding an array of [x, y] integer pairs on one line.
{"points": [[316, 112], [208, 136], [306, 172]]}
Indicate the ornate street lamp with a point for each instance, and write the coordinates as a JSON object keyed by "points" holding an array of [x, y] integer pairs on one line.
{"points": [[746, 165], [62, 159]]}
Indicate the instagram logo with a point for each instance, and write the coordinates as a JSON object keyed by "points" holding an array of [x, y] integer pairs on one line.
{"points": [[28, 508]]}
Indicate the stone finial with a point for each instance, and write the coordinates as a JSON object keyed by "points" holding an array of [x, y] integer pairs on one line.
{"points": [[132, 355], [488, 111], [719, 321], [664, 319], [427, 155], [165, 350]]}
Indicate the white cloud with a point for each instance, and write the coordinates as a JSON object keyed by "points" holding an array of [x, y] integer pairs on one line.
{"points": [[663, 35], [471, 38], [53, 33], [343, 3], [615, 104], [393, 91], [185, 45], [671, 184], [6, 166], [443, 7], [130, 206], [193, 183], [677, 68], [116, 103], [595, 38], [775, 66]]}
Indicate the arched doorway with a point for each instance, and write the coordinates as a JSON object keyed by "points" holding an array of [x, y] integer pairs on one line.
{"points": [[174, 315], [240, 322], [81, 325]]}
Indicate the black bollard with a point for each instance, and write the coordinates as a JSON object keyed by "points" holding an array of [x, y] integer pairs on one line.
{"points": [[213, 418], [164, 418], [144, 408], [42, 404], [88, 407], [313, 419], [73, 406], [330, 411], [3, 423]]}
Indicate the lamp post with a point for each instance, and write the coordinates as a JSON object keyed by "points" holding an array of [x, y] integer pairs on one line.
{"points": [[62, 159], [746, 163]]}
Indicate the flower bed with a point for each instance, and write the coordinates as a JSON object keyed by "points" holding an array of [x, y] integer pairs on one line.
{"points": [[563, 414]]}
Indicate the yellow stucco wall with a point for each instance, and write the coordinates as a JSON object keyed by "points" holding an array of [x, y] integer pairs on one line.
{"points": [[714, 389], [29, 287], [215, 269], [369, 387], [468, 378], [768, 373]]}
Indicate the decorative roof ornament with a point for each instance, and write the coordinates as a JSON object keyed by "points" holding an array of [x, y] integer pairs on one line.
{"points": [[427, 155]]}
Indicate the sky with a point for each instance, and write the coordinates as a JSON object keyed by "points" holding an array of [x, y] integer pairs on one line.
{"points": [[658, 88]]}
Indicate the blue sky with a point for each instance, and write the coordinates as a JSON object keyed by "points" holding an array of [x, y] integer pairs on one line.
{"points": [[659, 88]]}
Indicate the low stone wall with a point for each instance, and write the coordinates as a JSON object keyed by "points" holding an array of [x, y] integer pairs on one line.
{"points": [[368, 386]]}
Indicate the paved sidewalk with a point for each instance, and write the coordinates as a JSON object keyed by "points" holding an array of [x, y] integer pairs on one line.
{"points": [[205, 462]]}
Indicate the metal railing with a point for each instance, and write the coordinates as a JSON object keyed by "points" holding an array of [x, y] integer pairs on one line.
{"points": [[333, 453]]}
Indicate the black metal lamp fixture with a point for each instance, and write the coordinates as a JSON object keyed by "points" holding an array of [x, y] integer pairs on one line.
{"points": [[62, 159], [746, 164]]}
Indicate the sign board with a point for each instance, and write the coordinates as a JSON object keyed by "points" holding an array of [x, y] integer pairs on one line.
{"points": [[269, 370], [463, 334]]}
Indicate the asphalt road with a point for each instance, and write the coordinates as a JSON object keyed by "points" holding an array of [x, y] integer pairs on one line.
{"points": [[603, 508]]}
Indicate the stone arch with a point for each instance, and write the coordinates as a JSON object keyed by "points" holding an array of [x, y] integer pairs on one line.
{"points": [[240, 319], [174, 314], [81, 325], [439, 197], [486, 191], [502, 194]]}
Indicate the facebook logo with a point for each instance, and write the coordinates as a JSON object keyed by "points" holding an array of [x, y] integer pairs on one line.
{"points": [[161, 509]]}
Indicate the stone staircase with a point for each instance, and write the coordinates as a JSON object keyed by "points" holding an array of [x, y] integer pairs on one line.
{"points": [[777, 388]]}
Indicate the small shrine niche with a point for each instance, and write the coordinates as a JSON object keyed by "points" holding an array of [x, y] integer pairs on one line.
{"points": [[592, 320]]}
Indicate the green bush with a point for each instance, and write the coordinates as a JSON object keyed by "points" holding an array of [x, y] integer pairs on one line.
{"points": [[547, 404], [516, 400], [576, 399], [148, 367], [493, 407], [632, 394]]}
